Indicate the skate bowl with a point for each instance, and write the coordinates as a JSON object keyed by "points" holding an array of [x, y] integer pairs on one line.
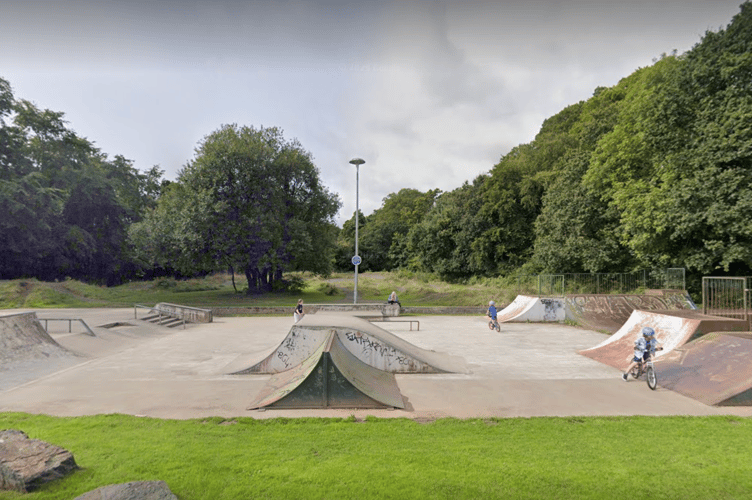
{"points": [[372, 345], [331, 377], [672, 330], [714, 369]]}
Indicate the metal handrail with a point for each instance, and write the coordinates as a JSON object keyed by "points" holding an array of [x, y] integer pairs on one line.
{"points": [[69, 320]]}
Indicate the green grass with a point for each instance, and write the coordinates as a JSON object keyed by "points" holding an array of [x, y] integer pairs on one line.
{"points": [[217, 290], [565, 458]]}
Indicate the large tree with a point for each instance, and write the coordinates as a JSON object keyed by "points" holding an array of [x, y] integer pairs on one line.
{"points": [[249, 200]]}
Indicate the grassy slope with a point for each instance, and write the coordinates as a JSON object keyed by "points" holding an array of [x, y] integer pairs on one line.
{"points": [[635, 457], [217, 290]]}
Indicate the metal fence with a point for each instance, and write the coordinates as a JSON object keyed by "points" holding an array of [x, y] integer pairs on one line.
{"points": [[558, 285], [726, 297]]}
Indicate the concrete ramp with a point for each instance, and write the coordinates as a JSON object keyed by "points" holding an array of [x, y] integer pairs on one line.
{"points": [[714, 369], [372, 345], [330, 378], [526, 308], [608, 312], [672, 329], [22, 338], [595, 312]]}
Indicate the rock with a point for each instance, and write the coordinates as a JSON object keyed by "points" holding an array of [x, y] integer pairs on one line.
{"points": [[137, 490], [26, 464]]}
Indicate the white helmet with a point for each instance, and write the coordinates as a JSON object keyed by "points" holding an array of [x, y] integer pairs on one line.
{"points": [[492, 303]]}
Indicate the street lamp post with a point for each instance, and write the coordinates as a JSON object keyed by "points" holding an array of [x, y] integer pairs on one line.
{"points": [[356, 258]]}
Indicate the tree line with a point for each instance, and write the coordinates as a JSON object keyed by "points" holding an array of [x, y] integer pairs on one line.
{"points": [[65, 206], [653, 172]]}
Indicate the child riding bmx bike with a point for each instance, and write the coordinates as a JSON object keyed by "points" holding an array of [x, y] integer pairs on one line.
{"points": [[642, 362], [491, 315]]}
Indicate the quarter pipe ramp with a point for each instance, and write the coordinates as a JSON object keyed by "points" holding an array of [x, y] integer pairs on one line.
{"points": [[595, 312], [672, 329], [534, 309]]}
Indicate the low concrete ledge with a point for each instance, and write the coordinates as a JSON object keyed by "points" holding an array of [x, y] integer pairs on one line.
{"points": [[190, 314], [449, 310], [365, 308]]}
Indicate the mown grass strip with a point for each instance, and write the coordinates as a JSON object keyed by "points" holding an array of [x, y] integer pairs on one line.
{"points": [[598, 457]]}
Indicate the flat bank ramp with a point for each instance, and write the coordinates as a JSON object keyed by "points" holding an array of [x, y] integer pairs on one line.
{"points": [[23, 338], [372, 345], [672, 329], [331, 377], [715, 369]]}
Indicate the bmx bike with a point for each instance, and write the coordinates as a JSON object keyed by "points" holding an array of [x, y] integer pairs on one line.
{"points": [[494, 325], [645, 367]]}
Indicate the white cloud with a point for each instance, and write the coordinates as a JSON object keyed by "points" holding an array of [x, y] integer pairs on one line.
{"points": [[429, 93]]}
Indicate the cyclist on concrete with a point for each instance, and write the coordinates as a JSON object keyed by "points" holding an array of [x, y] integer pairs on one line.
{"points": [[491, 312], [644, 348]]}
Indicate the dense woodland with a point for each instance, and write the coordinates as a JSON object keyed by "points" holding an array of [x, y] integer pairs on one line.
{"points": [[653, 172]]}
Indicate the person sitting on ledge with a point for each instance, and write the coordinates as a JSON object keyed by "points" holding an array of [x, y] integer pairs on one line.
{"points": [[393, 299]]}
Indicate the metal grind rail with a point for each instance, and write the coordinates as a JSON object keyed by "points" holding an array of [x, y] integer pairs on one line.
{"points": [[70, 321]]}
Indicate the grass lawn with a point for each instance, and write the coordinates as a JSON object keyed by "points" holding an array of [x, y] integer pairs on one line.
{"points": [[307, 458], [563, 458]]}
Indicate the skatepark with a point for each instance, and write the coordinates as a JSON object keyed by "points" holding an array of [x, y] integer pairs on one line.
{"points": [[135, 367]]}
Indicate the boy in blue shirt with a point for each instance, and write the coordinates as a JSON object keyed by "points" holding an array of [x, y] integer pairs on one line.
{"points": [[491, 312], [644, 347]]}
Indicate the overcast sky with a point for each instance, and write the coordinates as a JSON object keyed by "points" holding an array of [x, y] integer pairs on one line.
{"points": [[429, 93]]}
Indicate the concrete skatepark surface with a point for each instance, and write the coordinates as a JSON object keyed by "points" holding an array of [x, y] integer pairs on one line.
{"points": [[142, 369]]}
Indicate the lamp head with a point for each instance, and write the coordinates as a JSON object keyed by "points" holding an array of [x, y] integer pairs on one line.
{"points": [[357, 161]]}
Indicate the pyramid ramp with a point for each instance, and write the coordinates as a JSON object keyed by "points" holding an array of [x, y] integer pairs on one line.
{"points": [[714, 369], [672, 329], [372, 345], [330, 378]]}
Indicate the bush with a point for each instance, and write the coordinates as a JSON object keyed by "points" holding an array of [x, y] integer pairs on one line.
{"points": [[291, 284], [328, 289]]}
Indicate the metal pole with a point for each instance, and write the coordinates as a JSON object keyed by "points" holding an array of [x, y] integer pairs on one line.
{"points": [[357, 209], [356, 258]]}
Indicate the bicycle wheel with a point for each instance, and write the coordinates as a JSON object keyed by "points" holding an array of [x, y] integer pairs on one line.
{"points": [[490, 325], [636, 372], [498, 327], [652, 378]]}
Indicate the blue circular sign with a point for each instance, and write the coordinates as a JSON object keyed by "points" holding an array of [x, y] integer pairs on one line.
{"points": [[356, 260]]}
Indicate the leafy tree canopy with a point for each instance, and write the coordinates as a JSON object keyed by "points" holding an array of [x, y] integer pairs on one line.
{"points": [[249, 200]]}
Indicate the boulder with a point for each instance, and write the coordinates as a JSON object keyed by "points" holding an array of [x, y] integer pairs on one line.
{"points": [[26, 464], [137, 490]]}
